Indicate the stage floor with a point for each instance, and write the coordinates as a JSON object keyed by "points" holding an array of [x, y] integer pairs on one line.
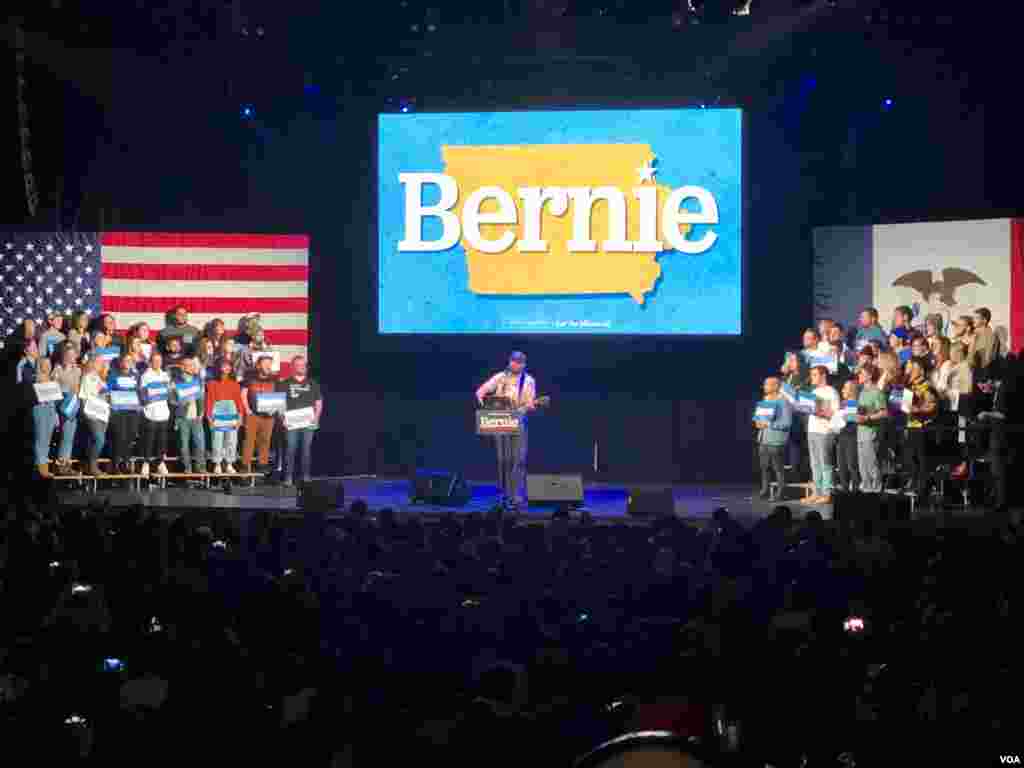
{"points": [[606, 502]]}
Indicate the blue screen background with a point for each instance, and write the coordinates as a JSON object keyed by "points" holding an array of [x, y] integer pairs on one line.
{"points": [[696, 294]]}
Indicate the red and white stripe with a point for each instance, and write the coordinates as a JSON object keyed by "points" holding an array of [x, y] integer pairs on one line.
{"points": [[226, 276]]}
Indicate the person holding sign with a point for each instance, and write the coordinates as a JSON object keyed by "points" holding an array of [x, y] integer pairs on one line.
{"points": [[69, 375], [189, 396], [43, 394], [303, 407], [773, 418], [224, 409], [260, 408], [257, 348], [846, 441], [821, 435], [923, 408], [93, 395], [155, 386], [123, 387]]}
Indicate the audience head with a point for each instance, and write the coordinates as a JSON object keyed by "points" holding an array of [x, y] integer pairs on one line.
{"points": [[851, 389], [216, 328], [825, 328], [982, 317], [68, 355], [940, 347], [264, 366], [771, 385], [108, 324], [811, 339], [225, 369], [156, 361], [890, 366], [141, 332], [868, 317], [902, 317], [55, 320], [80, 321], [933, 325], [963, 326], [819, 376], [299, 366], [205, 349], [866, 356], [835, 334], [867, 375], [181, 315], [919, 346], [43, 370], [174, 345]]}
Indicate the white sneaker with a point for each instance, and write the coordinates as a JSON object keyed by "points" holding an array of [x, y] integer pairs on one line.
{"points": [[161, 469], [229, 468], [145, 469], [216, 468]]}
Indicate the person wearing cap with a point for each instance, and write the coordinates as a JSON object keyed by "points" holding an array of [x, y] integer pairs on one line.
{"points": [[519, 390]]}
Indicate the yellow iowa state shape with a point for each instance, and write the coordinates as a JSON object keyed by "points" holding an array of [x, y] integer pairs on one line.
{"points": [[557, 271]]}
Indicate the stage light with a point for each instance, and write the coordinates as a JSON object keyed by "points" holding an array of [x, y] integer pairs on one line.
{"points": [[887, 104], [248, 111]]}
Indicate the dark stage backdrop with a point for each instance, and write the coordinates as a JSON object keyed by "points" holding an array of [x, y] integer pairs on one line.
{"points": [[155, 141]]}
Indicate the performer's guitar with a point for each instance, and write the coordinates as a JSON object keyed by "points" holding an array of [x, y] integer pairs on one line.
{"points": [[505, 404]]}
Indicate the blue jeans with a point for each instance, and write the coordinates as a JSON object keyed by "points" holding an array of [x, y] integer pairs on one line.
{"points": [[98, 433], [191, 441], [867, 456], [820, 449], [44, 421], [68, 427], [296, 436], [224, 446]]}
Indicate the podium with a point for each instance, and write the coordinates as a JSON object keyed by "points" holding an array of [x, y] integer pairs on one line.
{"points": [[498, 421]]}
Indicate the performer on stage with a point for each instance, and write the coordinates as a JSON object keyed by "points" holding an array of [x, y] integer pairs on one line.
{"points": [[519, 390]]}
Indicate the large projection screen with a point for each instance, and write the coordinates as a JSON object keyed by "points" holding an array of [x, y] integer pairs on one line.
{"points": [[561, 222]]}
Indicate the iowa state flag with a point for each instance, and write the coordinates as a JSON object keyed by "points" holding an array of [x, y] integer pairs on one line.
{"points": [[948, 268]]}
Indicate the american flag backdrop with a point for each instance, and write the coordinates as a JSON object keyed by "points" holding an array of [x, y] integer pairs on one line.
{"points": [[140, 276]]}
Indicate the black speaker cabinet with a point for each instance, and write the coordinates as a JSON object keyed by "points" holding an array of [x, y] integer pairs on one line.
{"points": [[447, 489], [561, 490], [850, 508], [322, 495], [655, 503]]}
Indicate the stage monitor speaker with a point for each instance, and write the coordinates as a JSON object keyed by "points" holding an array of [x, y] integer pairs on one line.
{"points": [[851, 508], [322, 495], [561, 490], [895, 508], [651, 503], [446, 489]]}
